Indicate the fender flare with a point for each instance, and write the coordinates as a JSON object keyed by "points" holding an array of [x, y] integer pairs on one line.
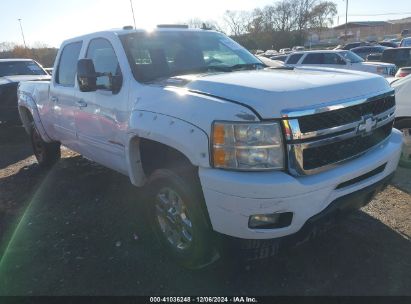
{"points": [[178, 134], [26, 101]]}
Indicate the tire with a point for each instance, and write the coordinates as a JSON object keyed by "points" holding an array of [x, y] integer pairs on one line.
{"points": [[404, 125], [47, 154], [176, 214]]}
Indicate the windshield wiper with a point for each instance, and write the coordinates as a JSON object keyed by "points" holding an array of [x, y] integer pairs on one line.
{"points": [[247, 66]]}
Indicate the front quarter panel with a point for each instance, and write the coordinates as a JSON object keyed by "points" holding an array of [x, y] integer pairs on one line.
{"points": [[176, 133]]}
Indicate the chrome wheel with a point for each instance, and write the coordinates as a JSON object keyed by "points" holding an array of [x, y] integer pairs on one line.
{"points": [[406, 150], [173, 219], [38, 145]]}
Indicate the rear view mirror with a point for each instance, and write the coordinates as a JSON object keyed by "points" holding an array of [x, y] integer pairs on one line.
{"points": [[86, 75]]}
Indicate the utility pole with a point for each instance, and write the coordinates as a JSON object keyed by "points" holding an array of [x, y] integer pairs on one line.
{"points": [[22, 34], [132, 11], [346, 20]]}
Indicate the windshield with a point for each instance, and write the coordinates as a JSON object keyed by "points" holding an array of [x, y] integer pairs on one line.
{"points": [[172, 53], [12, 68], [351, 56]]}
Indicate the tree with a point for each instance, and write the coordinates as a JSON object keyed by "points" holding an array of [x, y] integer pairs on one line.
{"points": [[238, 22], [208, 24], [322, 16]]}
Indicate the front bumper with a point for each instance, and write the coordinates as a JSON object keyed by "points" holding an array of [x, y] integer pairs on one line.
{"points": [[232, 197]]}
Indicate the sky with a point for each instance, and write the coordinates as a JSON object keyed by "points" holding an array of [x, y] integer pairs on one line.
{"points": [[52, 21]]}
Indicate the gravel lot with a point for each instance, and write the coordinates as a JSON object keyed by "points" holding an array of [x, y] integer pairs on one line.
{"points": [[77, 230]]}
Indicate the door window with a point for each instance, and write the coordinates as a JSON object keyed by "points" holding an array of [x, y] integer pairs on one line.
{"points": [[67, 68], [315, 58], [294, 58], [106, 63], [330, 58]]}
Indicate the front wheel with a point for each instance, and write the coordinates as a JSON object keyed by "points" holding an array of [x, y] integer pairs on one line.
{"points": [[177, 217], [46, 153], [404, 126]]}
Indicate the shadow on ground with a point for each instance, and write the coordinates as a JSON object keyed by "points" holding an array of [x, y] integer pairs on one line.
{"points": [[14, 143], [83, 233]]}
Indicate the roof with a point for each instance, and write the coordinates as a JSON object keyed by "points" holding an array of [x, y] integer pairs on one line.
{"points": [[399, 21], [129, 31], [15, 59], [319, 51], [362, 24]]}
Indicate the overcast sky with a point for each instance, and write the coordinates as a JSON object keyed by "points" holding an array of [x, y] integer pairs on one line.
{"points": [[51, 21]]}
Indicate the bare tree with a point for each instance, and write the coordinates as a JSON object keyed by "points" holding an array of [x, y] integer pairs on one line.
{"points": [[282, 16], [238, 22], [206, 24], [322, 16]]}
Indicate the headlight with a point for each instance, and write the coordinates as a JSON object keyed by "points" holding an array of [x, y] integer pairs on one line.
{"points": [[247, 146]]}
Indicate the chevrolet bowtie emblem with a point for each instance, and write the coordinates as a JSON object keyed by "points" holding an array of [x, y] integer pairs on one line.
{"points": [[367, 125]]}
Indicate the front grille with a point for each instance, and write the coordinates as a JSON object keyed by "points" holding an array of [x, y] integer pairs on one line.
{"points": [[345, 149], [323, 137], [345, 116]]}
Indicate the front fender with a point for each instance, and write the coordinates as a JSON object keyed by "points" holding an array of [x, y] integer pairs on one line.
{"points": [[178, 134]]}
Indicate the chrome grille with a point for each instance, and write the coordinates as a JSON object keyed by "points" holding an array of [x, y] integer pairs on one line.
{"points": [[320, 138]]}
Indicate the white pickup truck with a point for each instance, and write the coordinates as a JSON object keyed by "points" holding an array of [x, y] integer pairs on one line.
{"points": [[224, 144]]}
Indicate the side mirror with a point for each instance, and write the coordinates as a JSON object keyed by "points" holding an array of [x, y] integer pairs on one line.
{"points": [[86, 75]]}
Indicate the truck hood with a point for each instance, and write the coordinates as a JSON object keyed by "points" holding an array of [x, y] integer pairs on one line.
{"points": [[269, 92], [18, 78]]}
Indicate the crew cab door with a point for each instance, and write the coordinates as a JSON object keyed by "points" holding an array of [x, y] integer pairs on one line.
{"points": [[63, 95], [102, 116]]}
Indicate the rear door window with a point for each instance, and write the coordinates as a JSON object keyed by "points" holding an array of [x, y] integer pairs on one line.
{"points": [[316, 58], [293, 59], [67, 68]]}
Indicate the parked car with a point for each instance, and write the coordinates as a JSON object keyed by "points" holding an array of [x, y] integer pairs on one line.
{"points": [[364, 51], [285, 51], [12, 71], [403, 72], [222, 144], [351, 45], [279, 58], [374, 57], [403, 116], [340, 59], [298, 49], [406, 42], [390, 44], [270, 53], [401, 57]]}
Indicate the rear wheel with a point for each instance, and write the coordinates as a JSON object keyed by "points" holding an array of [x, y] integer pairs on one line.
{"points": [[404, 126], [177, 218], [46, 153]]}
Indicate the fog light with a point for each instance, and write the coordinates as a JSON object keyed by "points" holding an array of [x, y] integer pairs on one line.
{"points": [[270, 221]]}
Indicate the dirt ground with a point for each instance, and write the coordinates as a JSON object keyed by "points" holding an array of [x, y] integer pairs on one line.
{"points": [[77, 230]]}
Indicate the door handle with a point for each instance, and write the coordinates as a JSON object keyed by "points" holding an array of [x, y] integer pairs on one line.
{"points": [[81, 104], [54, 99]]}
